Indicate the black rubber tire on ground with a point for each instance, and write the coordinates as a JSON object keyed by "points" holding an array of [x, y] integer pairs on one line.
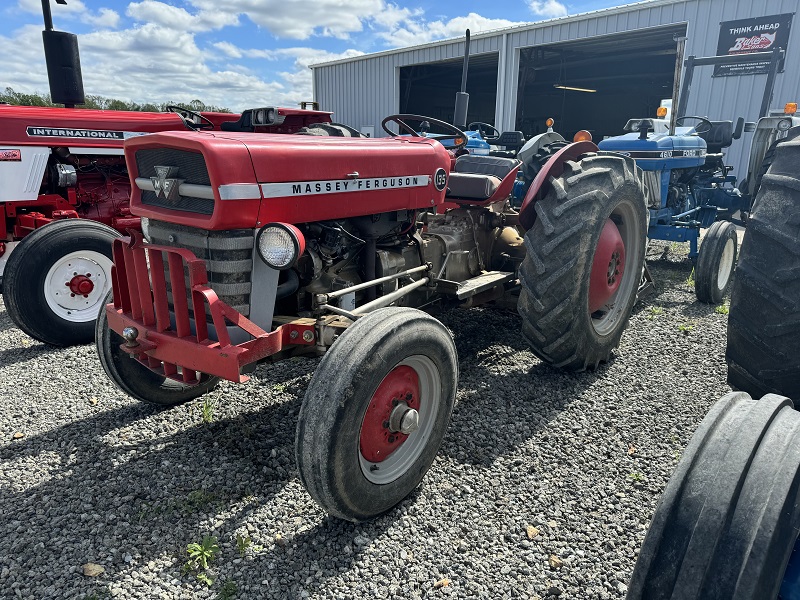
{"points": [[328, 442], [554, 295], [728, 520], [763, 351], [28, 283], [715, 262], [134, 378]]}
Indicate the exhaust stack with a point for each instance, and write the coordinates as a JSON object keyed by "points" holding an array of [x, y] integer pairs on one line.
{"points": [[462, 97], [63, 62]]}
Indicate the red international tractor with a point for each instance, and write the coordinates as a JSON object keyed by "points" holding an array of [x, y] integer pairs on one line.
{"points": [[263, 247], [66, 166]]}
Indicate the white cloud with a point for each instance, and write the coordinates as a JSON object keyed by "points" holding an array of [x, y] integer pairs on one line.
{"points": [[228, 49], [157, 58], [299, 19], [76, 9], [106, 18], [410, 29], [547, 8], [152, 63], [179, 19], [297, 81]]}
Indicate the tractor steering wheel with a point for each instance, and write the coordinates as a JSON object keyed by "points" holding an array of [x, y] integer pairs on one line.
{"points": [[459, 137], [488, 132], [200, 121], [703, 121]]}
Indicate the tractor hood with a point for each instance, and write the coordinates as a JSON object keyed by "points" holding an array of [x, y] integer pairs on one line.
{"points": [[222, 180], [87, 128], [659, 150]]}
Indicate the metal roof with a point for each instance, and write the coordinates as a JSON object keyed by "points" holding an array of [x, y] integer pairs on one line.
{"points": [[504, 30]]}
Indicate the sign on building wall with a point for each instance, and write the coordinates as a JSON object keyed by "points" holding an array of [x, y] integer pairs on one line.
{"points": [[757, 34]]}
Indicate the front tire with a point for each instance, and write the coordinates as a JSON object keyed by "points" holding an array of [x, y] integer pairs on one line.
{"points": [[56, 279], [583, 264], [763, 352], [134, 378], [715, 263], [728, 520], [393, 370]]}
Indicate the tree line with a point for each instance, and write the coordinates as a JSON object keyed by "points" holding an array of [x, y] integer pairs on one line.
{"points": [[101, 102]]}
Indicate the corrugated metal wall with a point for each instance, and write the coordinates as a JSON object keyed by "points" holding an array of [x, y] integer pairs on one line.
{"points": [[363, 91]]}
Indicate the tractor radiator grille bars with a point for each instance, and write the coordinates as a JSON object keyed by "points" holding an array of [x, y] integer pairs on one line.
{"points": [[182, 165], [165, 338], [228, 256]]}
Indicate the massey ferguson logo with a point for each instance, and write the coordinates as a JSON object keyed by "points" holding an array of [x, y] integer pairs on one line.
{"points": [[752, 44], [165, 184]]}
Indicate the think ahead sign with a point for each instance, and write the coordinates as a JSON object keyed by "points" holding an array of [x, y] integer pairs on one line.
{"points": [[745, 36]]}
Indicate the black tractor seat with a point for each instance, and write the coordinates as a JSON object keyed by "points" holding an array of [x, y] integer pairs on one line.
{"points": [[478, 177], [719, 136]]}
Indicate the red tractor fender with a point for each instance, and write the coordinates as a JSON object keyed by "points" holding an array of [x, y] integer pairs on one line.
{"points": [[552, 168]]}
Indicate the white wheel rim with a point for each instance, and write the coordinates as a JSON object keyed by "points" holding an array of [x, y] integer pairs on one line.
{"points": [[72, 307], [430, 392], [725, 265]]}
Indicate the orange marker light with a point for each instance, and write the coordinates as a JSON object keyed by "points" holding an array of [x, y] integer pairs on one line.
{"points": [[549, 122], [582, 136], [661, 112], [790, 108]]}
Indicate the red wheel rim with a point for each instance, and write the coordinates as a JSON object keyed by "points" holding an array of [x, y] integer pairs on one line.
{"points": [[398, 392], [608, 267], [81, 285]]}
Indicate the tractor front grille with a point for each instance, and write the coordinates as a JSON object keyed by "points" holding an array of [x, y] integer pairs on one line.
{"points": [[191, 168], [228, 256]]}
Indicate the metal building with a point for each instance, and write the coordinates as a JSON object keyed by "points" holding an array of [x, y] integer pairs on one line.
{"points": [[588, 71]]}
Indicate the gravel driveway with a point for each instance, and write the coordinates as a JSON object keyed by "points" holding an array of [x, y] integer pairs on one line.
{"points": [[543, 488]]}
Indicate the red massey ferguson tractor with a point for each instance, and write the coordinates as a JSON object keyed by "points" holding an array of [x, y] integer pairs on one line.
{"points": [[65, 195], [264, 247]]}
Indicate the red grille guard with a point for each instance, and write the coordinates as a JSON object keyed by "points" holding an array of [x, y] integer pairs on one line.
{"points": [[140, 301]]}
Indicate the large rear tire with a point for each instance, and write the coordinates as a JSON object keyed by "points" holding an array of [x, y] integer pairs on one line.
{"points": [[728, 520], [393, 367], [134, 378], [583, 264], [763, 351], [715, 263], [56, 279]]}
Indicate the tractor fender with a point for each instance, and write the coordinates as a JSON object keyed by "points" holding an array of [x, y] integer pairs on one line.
{"points": [[552, 168]]}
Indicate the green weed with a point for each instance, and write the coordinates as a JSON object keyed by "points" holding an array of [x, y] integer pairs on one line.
{"points": [[685, 328], [655, 311], [690, 280], [200, 555], [245, 542], [636, 476], [207, 410], [722, 309]]}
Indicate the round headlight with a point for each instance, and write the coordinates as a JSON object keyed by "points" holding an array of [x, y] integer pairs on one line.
{"points": [[784, 125], [280, 245]]}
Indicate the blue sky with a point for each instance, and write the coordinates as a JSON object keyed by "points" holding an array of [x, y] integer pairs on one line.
{"points": [[238, 53]]}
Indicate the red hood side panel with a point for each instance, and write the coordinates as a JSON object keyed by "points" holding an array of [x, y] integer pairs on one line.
{"points": [[335, 178], [45, 126]]}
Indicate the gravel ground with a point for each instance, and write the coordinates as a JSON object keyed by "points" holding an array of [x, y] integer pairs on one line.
{"points": [[544, 486]]}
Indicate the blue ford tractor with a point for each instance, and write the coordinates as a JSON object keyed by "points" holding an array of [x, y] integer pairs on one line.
{"points": [[687, 183]]}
